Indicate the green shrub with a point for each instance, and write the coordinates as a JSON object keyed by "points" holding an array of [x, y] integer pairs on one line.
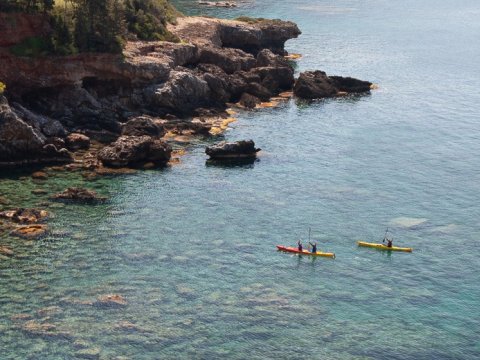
{"points": [[32, 47], [147, 19]]}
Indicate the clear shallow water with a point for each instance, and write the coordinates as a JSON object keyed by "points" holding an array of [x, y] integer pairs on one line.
{"points": [[191, 248]]}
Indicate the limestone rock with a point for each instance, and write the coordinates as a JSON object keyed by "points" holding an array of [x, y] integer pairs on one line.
{"points": [[30, 232], [142, 125], [76, 141], [232, 150], [249, 101], [183, 92], [132, 150], [317, 85]]}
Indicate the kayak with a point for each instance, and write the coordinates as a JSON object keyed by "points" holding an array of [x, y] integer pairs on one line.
{"points": [[295, 250], [384, 247]]}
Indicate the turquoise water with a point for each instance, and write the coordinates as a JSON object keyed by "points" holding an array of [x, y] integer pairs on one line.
{"points": [[192, 248]]}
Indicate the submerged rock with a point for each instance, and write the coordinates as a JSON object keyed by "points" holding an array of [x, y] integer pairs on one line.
{"points": [[317, 85], [233, 150], [88, 353], [111, 300], [39, 175], [32, 327], [82, 195], [25, 216], [6, 251], [30, 232]]}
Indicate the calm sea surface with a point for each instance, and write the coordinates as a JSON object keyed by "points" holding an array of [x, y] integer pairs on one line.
{"points": [[192, 247]]}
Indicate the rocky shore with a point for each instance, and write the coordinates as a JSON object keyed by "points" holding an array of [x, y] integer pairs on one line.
{"points": [[130, 105]]}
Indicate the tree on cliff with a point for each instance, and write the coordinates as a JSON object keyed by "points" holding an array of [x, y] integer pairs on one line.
{"points": [[99, 25]]}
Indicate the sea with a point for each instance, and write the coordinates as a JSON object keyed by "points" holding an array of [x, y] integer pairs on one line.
{"points": [[192, 248]]}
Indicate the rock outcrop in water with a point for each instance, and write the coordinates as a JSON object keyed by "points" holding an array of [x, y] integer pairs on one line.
{"points": [[317, 85], [233, 150]]}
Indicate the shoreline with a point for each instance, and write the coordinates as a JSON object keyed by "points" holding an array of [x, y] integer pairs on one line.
{"points": [[176, 89]]}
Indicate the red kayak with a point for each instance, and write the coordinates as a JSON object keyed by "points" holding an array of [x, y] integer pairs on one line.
{"points": [[304, 252]]}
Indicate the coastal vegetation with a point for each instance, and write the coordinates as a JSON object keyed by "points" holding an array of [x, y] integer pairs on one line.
{"points": [[103, 26]]}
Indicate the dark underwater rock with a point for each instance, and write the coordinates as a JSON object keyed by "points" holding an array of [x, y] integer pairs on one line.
{"points": [[74, 194]]}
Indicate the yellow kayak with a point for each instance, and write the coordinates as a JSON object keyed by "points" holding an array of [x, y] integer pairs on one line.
{"points": [[384, 247]]}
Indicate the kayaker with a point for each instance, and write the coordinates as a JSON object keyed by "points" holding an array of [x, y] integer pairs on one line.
{"points": [[300, 247], [389, 243], [314, 247]]}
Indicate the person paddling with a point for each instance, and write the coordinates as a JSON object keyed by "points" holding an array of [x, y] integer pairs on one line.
{"points": [[314, 247], [386, 239], [300, 247]]}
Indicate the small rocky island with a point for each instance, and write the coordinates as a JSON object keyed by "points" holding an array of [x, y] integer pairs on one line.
{"points": [[244, 149]]}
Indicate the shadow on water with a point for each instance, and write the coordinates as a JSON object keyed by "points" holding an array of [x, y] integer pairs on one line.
{"points": [[305, 260], [347, 99], [247, 163]]}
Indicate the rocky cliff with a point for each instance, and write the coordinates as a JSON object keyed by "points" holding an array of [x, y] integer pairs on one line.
{"points": [[217, 62]]}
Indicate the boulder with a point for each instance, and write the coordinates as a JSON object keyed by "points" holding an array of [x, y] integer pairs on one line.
{"points": [[125, 151], [25, 216], [81, 195], [351, 85], [76, 141], [317, 85], [183, 92], [232, 150], [259, 91], [44, 124], [30, 232], [132, 150], [160, 152], [266, 58], [275, 79], [142, 125]]}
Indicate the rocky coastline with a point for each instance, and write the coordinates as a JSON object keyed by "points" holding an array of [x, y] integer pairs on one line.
{"points": [[130, 105]]}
